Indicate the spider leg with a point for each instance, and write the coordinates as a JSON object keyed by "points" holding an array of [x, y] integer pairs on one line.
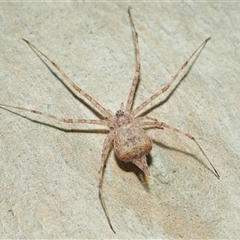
{"points": [[65, 120], [138, 66], [106, 148], [144, 118], [144, 104], [163, 125], [101, 109]]}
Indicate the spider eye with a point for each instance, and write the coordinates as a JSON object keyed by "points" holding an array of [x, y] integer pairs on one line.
{"points": [[119, 113]]}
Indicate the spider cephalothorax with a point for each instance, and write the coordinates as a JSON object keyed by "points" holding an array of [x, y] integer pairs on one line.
{"points": [[121, 118]]}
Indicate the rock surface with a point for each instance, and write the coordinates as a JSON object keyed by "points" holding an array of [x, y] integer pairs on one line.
{"points": [[49, 177]]}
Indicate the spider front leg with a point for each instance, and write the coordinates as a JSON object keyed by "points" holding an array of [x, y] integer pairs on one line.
{"points": [[138, 66], [161, 91], [162, 125], [106, 148], [106, 113]]}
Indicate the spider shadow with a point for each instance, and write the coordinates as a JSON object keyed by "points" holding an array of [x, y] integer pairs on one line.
{"points": [[128, 167]]}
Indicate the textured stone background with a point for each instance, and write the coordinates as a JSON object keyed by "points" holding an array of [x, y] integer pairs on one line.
{"points": [[49, 178]]}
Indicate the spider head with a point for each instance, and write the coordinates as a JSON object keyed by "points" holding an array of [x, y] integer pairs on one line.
{"points": [[119, 113], [121, 118]]}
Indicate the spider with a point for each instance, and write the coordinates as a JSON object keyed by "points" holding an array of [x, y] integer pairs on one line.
{"points": [[126, 127]]}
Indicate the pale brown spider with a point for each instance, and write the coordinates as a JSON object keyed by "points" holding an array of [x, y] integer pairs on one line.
{"points": [[126, 128]]}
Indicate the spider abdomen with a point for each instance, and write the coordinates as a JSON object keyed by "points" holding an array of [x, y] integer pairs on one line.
{"points": [[131, 142]]}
